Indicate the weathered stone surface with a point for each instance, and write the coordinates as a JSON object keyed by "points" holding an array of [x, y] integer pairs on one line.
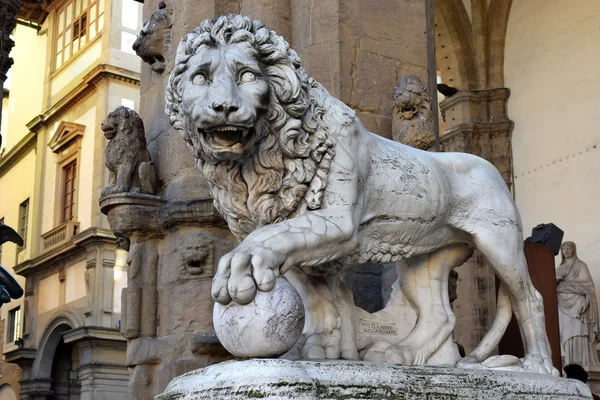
{"points": [[281, 379], [578, 309], [269, 325], [413, 118], [153, 43]]}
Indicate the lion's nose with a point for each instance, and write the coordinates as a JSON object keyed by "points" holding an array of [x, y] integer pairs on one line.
{"points": [[225, 107]]}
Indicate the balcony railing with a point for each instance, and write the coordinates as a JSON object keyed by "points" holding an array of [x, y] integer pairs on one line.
{"points": [[59, 235]]}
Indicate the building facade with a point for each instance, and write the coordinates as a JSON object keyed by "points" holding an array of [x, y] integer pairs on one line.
{"points": [[73, 63]]}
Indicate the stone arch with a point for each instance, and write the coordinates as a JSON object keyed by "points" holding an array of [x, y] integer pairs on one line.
{"points": [[7, 392], [42, 366], [454, 48], [498, 13]]}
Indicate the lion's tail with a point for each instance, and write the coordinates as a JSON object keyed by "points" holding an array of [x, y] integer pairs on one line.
{"points": [[493, 336]]}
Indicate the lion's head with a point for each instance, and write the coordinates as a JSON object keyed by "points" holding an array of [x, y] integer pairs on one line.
{"points": [[152, 42], [412, 119], [254, 120], [410, 96], [122, 121]]}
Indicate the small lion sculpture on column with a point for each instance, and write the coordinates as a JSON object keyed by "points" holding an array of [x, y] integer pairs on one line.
{"points": [[307, 189], [412, 121], [127, 157]]}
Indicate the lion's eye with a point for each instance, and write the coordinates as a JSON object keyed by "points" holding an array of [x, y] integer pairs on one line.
{"points": [[199, 79], [247, 77]]}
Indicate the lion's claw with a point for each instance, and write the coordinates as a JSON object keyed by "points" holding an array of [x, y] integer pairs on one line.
{"points": [[248, 268]]}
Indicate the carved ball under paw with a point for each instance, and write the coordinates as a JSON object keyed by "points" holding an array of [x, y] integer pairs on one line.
{"points": [[268, 326]]}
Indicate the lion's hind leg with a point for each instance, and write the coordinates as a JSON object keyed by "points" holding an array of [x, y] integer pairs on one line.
{"points": [[424, 281], [503, 247]]}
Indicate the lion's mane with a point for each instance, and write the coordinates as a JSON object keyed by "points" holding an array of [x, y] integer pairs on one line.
{"points": [[286, 174], [129, 138]]}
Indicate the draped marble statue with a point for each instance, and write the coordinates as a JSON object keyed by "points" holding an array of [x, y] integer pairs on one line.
{"points": [[578, 309]]}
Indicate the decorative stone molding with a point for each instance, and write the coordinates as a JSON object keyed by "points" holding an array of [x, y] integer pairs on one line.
{"points": [[65, 134], [86, 88]]}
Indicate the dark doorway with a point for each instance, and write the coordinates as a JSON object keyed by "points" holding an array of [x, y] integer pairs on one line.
{"points": [[65, 365]]}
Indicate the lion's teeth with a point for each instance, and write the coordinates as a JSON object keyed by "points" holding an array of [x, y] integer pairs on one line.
{"points": [[245, 133]]}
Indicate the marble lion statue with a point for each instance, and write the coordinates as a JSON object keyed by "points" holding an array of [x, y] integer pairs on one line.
{"points": [[307, 189], [126, 155]]}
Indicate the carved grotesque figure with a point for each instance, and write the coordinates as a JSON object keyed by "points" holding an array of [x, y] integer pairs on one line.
{"points": [[412, 119], [306, 187], [153, 41], [127, 157]]}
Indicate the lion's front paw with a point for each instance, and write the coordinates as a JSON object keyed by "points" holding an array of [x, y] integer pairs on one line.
{"points": [[243, 271], [539, 364]]}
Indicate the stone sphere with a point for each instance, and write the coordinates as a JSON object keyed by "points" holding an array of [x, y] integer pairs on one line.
{"points": [[267, 327]]}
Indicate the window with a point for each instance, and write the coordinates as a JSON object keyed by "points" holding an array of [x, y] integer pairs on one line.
{"points": [[68, 198], [14, 325], [23, 216], [79, 21]]}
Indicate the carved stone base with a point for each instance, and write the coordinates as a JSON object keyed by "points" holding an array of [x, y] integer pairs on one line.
{"points": [[282, 379]]}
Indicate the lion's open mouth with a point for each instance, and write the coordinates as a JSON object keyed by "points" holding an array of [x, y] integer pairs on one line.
{"points": [[109, 132], [226, 136]]}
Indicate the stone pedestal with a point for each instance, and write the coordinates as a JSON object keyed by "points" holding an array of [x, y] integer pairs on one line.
{"points": [[166, 306], [282, 379]]}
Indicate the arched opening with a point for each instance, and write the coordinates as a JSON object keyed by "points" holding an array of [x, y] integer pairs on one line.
{"points": [[7, 392], [65, 381], [59, 362]]}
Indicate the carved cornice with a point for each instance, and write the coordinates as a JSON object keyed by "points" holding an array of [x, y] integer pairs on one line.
{"points": [[17, 153], [86, 88], [474, 96], [152, 216], [504, 126], [197, 211], [70, 248], [106, 337], [22, 356]]}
